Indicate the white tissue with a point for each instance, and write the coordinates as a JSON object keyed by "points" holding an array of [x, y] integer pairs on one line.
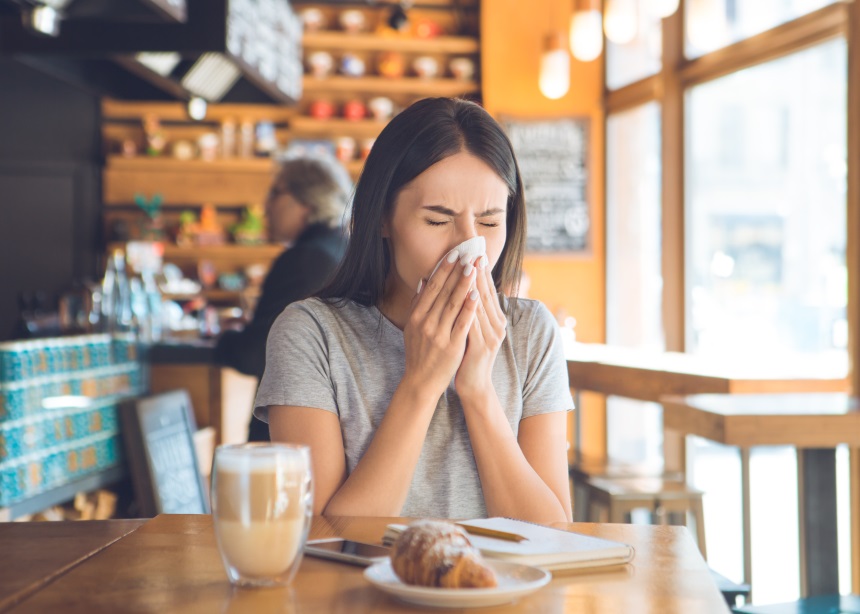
{"points": [[471, 249]]}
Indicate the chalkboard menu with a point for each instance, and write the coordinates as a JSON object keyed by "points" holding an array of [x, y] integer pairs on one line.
{"points": [[552, 155], [158, 433]]}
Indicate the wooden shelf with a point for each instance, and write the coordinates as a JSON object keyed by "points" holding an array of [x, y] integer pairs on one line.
{"points": [[178, 111], [239, 254], [227, 182], [383, 85], [309, 126], [341, 41], [166, 163]]}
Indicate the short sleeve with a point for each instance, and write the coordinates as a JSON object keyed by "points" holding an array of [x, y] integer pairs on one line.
{"points": [[297, 363], [546, 388]]}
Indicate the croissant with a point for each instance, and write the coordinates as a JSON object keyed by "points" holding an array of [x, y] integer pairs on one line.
{"points": [[438, 554]]}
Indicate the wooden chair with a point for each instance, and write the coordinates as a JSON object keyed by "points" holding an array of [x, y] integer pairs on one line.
{"points": [[585, 468], [613, 500], [731, 590]]}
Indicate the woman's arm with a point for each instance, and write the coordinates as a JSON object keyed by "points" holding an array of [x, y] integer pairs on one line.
{"points": [[522, 477], [380, 482], [435, 339]]}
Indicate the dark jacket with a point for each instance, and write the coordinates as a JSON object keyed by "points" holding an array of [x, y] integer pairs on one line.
{"points": [[296, 274]]}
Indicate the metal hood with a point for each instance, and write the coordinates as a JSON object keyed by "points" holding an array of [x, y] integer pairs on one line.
{"points": [[219, 50]]}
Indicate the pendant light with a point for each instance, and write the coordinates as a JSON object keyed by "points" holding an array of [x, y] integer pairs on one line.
{"points": [[663, 8], [621, 21], [586, 30], [554, 80]]}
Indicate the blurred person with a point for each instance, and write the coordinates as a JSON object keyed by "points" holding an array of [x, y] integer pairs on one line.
{"points": [[305, 209]]}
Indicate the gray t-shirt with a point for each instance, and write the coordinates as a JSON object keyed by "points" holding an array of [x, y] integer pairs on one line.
{"points": [[349, 360]]}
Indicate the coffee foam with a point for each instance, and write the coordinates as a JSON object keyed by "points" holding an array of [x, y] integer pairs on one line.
{"points": [[260, 461]]}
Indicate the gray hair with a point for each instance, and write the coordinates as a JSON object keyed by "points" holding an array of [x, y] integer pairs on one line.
{"points": [[318, 184]]}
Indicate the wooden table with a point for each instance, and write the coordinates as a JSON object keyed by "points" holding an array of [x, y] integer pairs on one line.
{"points": [[647, 376], [32, 554], [171, 564], [815, 424]]}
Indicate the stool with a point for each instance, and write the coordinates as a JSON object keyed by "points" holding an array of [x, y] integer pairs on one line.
{"points": [[619, 497], [731, 590], [584, 468], [820, 604]]}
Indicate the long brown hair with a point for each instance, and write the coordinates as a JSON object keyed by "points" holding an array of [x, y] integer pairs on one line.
{"points": [[425, 133]]}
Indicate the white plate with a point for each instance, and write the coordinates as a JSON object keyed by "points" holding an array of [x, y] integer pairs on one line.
{"points": [[514, 581]]}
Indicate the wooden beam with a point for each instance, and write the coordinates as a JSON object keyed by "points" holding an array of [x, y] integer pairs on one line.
{"points": [[634, 95], [853, 263], [672, 183], [805, 31]]}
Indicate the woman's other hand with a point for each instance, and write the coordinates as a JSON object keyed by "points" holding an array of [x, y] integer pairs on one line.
{"points": [[443, 311], [488, 330]]}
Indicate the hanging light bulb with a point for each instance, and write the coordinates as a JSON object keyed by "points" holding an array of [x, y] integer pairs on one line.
{"points": [[620, 21], [707, 27], [663, 8], [554, 78], [586, 32]]}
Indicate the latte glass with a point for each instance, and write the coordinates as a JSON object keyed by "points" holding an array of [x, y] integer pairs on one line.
{"points": [[262, 502]]}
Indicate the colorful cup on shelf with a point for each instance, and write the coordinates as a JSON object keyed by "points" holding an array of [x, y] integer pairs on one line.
{"points": [[352, 21], [426, 28], [321, 109], [381, 108], [425, 67], [313, 19], [391, 64], [320, 64], [183, 149], [345, 149], [462, 69], [354, 110], [351, 65], [208, 146]]}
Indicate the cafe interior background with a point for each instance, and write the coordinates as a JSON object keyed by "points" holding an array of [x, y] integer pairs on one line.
{"points": [[713, 211]]}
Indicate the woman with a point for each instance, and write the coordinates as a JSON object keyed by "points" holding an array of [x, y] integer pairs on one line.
{"points": [[449, 401], [304, 210]]}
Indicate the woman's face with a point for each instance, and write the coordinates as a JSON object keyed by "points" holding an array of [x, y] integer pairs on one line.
{"points": [[456, 199]]}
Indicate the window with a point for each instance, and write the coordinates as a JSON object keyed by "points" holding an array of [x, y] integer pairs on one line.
{"points": [[766, 270], [633, 220], [764, 175], [634, 276], [766, 228], [640, 58], [711, 24]]}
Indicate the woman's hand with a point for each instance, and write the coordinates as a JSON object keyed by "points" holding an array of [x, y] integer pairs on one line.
{"points": [[435, 335], [474, 376]]}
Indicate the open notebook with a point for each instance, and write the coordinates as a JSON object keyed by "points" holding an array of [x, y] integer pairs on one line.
{"points": [[551, 549]]}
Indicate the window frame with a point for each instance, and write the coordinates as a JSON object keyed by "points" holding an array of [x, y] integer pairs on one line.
{"points": [[668, 88]]}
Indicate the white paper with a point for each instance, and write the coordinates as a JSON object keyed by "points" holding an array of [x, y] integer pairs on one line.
{"points": [[471, 248]]}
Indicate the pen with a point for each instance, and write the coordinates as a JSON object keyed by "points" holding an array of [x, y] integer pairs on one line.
{"points": [[511, 537]]}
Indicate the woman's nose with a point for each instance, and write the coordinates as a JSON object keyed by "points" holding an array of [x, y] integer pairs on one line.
{"points": [[466, 232]]}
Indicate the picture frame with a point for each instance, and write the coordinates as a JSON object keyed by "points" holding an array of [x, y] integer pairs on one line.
{"points": [[158, 434]]}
